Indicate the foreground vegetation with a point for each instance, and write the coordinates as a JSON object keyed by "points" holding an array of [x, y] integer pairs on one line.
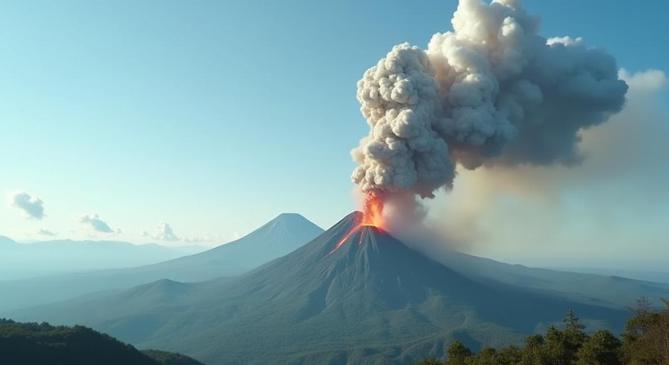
{"points": [[645, 341], [40, 344]]}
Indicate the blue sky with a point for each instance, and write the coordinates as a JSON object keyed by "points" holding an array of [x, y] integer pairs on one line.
{"points": [[215, 116]]}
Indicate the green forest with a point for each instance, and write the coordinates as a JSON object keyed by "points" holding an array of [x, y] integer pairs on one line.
{"points": [[645, 341], [42, 343]]}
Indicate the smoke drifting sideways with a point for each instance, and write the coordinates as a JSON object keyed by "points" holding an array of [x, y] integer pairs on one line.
{"points": [[490, 92]]}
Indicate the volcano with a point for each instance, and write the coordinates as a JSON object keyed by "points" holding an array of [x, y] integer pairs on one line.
{"points": [[371, 300]]}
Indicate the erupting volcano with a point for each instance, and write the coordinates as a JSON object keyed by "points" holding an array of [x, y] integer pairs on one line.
{"points": [[372, 216]]}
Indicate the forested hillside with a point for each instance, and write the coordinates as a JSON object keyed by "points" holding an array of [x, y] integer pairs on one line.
{"points": [[645, 341], [40, 344]]}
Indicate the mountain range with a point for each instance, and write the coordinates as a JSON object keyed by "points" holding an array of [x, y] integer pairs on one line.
{"points": [[25, 260], [372, 300], [597, 289], [276, 238]]}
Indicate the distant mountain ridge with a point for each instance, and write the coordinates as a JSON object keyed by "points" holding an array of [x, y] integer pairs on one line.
{"points": [[281, 235], [24, 260], [597, 289], [373, 300]]}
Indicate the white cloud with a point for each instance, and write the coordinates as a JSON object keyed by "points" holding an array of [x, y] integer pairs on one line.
{"points": [[45, 232], [205, 239], [94, 222], [163, 232], [31, 206]]}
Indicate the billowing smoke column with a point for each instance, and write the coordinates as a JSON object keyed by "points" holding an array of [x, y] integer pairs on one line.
{"points": [[492, 91]]}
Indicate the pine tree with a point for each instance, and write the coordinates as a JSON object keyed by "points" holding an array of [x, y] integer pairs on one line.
{"points": [[603, 348], [458, 354]]}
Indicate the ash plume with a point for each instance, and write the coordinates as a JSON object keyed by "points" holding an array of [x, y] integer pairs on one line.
{"points": [[490, 92]]}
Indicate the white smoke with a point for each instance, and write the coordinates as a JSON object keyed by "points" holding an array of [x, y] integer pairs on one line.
{"points": [[606, 203], [492, 91], [400, 101]]}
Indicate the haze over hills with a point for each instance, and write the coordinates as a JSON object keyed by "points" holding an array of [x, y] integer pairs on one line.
{"points": [[591, 288], [645, 275], [23, 260], [372, 300], [276, 238]]}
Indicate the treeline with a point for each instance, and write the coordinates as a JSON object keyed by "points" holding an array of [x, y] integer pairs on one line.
{"points": [[645, 341], [42, 344]]}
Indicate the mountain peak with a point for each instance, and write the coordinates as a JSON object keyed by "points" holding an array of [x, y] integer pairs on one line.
{"points": [[350, 231], [279, 236], [370, 245], [287, 224], [287, 220], [289, 216]]}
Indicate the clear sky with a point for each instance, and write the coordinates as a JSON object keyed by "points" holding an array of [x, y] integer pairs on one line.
{"points": [[215, 116]]}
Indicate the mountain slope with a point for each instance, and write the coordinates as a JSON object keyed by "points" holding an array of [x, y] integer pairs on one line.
{"points": [[276, 238], [281, 235], [371, 300], [37, 344], [607, 290]]}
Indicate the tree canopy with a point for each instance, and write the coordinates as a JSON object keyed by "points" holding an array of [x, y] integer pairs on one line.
{"points": [[645, 341], [42, 343]]}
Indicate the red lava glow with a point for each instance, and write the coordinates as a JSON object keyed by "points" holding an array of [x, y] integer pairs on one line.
{"points": [[372, 216], [372, 213]]}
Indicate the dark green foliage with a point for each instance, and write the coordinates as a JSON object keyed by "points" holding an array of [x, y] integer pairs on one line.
{"points": [[429, 361], [534, 352], [562, 346], [487, 356], [458, 353], [40, 344], [511, 355], [603, 348], [170, 358], [646, 342], [646, 337]]}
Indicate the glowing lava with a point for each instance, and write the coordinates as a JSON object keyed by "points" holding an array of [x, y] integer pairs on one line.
{"points": [[372, 216], [372, 213]]}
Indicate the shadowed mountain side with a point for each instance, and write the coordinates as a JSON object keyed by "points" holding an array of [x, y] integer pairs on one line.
{"points": [[276, 238], [656, 276], [372, 300], [612, 291]]}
